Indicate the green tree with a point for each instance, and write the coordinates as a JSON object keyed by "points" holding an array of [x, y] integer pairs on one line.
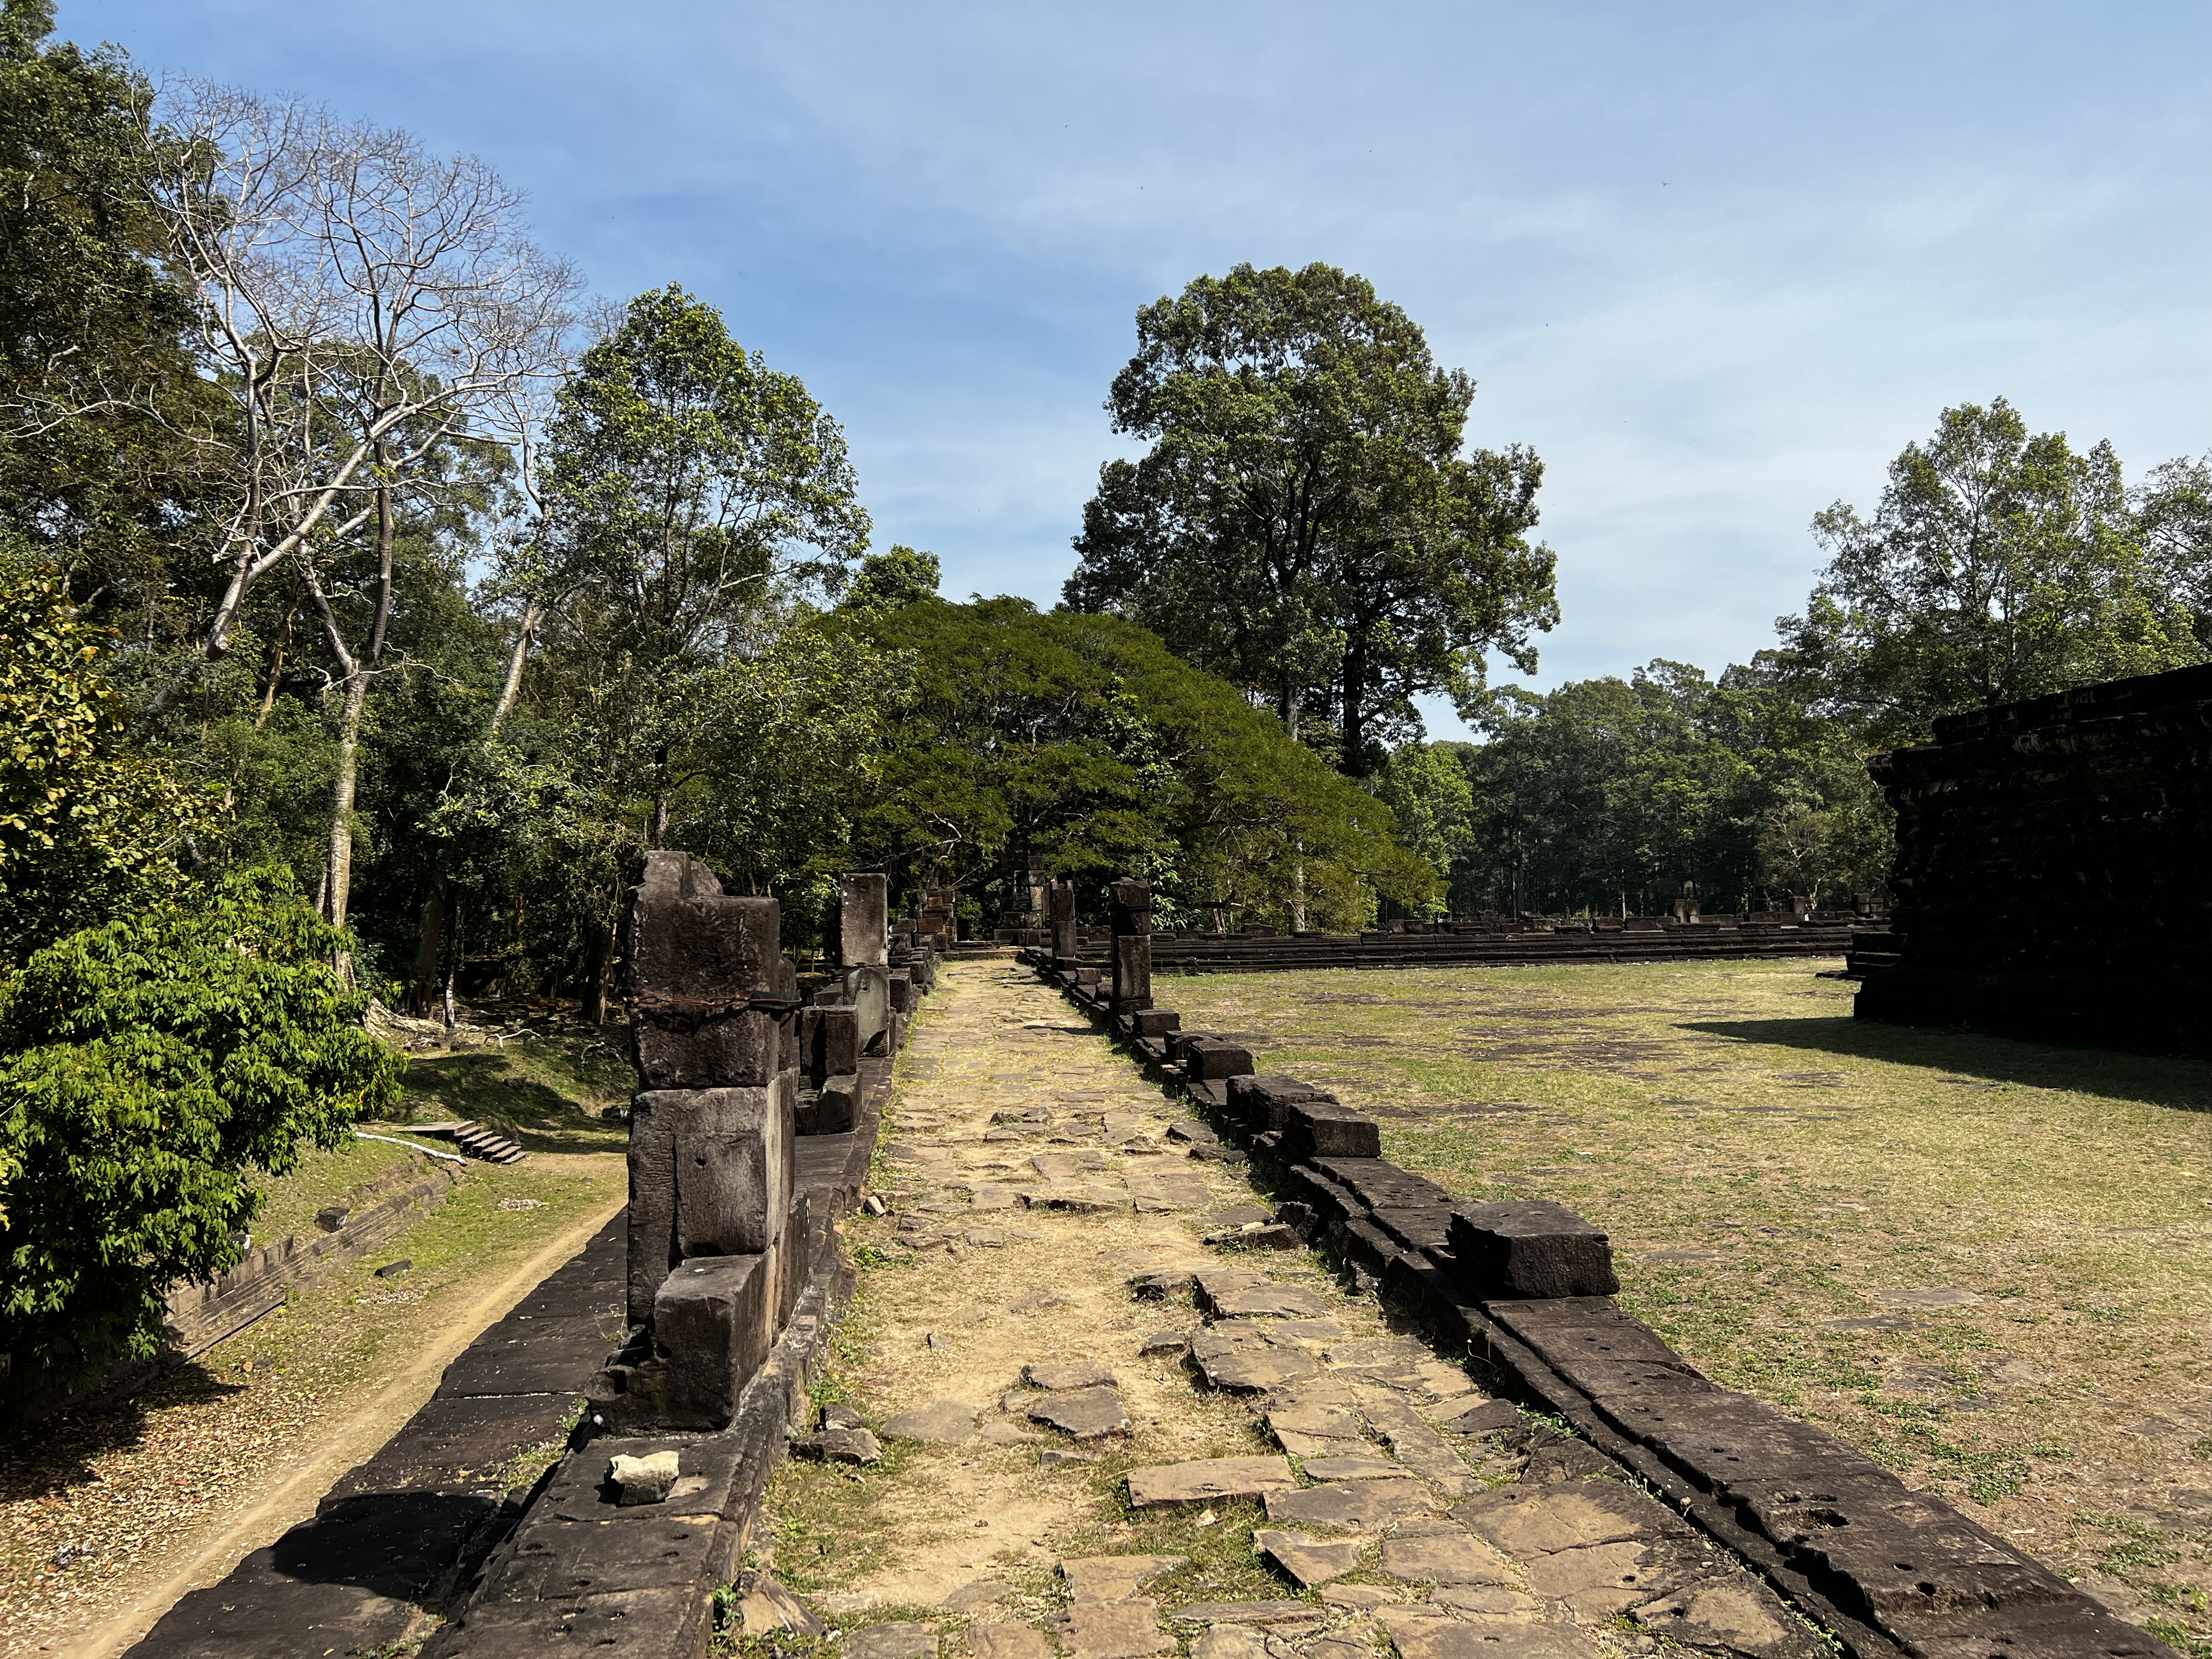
{"points": [[87, 829], [1305, 523], [155, 1067], [691, 494], [97, 397], [888, 581], [1079, 744], [1998, 566]]}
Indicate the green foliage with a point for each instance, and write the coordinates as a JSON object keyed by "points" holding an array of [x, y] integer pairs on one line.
{"points": [[153, 1065], [1998, 566], [97, 393], [1608, 794], [888, 581], [1080, 744], [1304, 523], [87, 828]]}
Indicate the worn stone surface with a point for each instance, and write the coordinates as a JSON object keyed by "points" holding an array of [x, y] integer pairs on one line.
{"points": [[946, 1422], [1114, 1577], [1444, 1557], [1082, 1413], [1067, 1374], [1308, 1561], [1356, 1505], [898, 1641], [1210, 1477], [1113, 1629], [1426, 1633], [1009, 1642]]}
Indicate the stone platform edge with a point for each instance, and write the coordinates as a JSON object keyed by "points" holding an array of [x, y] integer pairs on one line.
{"points": [[577, 1568], [1887, 1570]]}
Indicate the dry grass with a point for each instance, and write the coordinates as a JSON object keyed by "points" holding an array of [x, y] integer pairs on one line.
{"points": [[1779, 1180]]}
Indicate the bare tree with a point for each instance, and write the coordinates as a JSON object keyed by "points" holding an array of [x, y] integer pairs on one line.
{"points": [[367, 305]]}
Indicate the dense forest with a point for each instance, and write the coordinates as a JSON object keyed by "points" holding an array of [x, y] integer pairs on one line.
{"points": [[372, 597]]}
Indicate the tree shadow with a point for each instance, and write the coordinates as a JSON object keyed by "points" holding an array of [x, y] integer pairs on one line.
{"points": [[55, 1454], [1981, 1058], [488, 1087]]}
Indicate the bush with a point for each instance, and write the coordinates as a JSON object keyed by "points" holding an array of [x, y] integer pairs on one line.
{"points": [[151, 1067]]}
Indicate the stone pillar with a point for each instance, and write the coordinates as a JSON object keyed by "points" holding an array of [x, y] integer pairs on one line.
{"points": [[1131, 911], [712, 1005], [1060, 907], [863, 929]]}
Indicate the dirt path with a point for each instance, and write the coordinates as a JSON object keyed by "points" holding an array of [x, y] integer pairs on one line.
{"points": [[1062, 1325], [285, 1491]]}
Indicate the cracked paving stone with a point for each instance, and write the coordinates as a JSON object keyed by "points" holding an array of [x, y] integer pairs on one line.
{"points": [[892, 1642], [1422, 1633], [1443, 1559], [1114, 1577], [1009, 1642], [1354, 1504], [1308, 1561], [1083, 1413], [1113, 1629], [1059, 1373], [1209, 1477], [941, 1422]]}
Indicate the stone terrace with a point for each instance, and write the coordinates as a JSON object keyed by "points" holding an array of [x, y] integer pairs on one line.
{"points": [[1124, 1415]]}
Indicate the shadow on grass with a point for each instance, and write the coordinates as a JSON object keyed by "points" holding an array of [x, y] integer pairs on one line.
{"points": [[2183, 1084], [512, 1095]]}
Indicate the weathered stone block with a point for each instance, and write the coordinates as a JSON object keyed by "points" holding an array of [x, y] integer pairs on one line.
{"points": [[1133, 972], [1155, 1021], [710, 1174], [1530, 1248], [837, 1049], [1262, 1102], [713, 1323], [836, 1108], [1210, 1058], [1322, 1129], [693, 955], [863, 937]]}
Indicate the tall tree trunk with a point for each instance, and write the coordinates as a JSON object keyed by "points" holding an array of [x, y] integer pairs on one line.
{"points": [[598, 946], [453, 963], [533, 618], [364, 667], [1293, 712], [1355, 707], [656, 834], [277, 663], [430, 942]]}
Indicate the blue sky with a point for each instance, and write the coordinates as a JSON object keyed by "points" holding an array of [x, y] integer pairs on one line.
{"points": [[1716, 263]]}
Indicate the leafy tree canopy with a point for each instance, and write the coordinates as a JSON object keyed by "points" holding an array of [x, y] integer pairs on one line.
{"points": [[1305, 522], [1079, 743], [1998, 565]]}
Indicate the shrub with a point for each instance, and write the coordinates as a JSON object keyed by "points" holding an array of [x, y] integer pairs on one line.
{"points": [[148, 1069]]}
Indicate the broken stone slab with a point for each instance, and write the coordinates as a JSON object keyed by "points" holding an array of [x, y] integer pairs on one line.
{"points": [[1235, 1293], [1059, 1373], [838, 1415], [1365, 1597], [1231, 1642], [839, 1446], [1191, 1134], [1526, 1522], [1354, 1505], [1356, 1469], [1207, 1478], [1530, 1248], [1308, 1561], [1607, 1579], [898, 1641], [1491, 1417], [1113, 1629], [1157, 1286], [1009, 1642], [1082, 1413], [1164, 1345], [641, 1479], [977, 1593], [767, 1607], [1413, 1441], [1322, 1129], [1257, 1236], [1246, 1362], [941, 1422], [1733, 1614], [1450, 1557], [1428, 1634], [1115, 1578]]}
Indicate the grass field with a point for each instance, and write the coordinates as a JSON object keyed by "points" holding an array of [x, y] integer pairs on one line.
{"points": [[1987, 1263]]}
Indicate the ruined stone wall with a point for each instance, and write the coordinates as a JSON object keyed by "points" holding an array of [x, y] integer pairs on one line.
{"points": [[2054, 869]]}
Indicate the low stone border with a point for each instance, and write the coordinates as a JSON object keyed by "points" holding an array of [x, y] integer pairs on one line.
{"points": [[1888, 1571], [201, 1316]]}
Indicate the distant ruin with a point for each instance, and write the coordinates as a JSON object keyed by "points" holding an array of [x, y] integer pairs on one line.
{"points": [[2054, 870]]}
